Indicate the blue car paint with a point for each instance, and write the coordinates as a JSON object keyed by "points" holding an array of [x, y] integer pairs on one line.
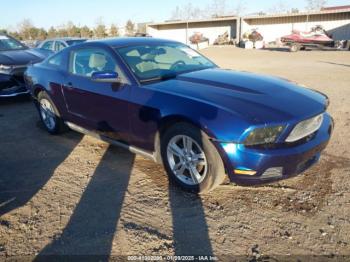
{"points": [[225, 104], [288, 158]]}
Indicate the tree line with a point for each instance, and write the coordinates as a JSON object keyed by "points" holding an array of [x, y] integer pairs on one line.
{"points": [[219, 8], [27, 31]]}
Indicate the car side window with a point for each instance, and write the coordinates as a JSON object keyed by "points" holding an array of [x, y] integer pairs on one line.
{"points": [[56, 60], [47, 45], [84, 62], [59, 46]]}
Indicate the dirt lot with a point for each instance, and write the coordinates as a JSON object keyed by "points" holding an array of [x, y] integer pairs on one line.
{"points": [[72, 194]]}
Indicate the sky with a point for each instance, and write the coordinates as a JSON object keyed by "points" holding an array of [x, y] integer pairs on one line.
{"points": [[45, 13]]}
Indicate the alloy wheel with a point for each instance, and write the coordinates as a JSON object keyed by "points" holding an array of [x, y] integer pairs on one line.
{"points": [[187, 160], [47, 113]]}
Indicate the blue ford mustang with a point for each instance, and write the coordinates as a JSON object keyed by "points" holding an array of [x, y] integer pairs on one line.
{"points": [[165, 101]]}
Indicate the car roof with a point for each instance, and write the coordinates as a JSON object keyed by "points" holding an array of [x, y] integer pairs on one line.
{"points": [[65, 39], [126, 41]]}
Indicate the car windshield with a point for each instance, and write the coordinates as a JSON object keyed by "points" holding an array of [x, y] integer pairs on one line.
{"points": [[7, 43], [75, 42], [163, 61]]}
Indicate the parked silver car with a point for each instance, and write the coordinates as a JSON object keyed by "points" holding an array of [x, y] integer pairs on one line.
{"points": [[57, 44]]}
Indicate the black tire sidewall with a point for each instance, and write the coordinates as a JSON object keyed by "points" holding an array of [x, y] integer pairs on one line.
{"points": [[214, 161], [58, 121]]}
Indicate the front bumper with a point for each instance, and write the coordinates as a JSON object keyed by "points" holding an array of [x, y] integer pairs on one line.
{"points": [[278, 163], [13, 84]]}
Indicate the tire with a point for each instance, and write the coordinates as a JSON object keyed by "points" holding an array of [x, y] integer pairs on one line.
{"points": [[210, 167], [294, 47], [49, 115], [347, 45]]}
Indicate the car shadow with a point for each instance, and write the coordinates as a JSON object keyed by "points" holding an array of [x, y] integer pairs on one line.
{"points": [[332, 63], [23, 172], [190, 229], [28, 154], [277, 49], [16, 100], [92, 226]]}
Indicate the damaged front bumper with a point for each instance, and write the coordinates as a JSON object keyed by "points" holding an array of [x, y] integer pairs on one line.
{"points": [[12, 84]]}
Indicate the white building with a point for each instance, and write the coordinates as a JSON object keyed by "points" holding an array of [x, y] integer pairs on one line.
{"points": [[182, 30], [335, 20], [272, 27]]}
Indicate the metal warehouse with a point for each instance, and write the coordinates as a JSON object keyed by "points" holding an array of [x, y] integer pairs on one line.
{"points": [[182, 30], [335, 20], [272, 27]]}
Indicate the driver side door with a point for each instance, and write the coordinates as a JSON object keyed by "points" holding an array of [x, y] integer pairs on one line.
{"points": [[98, 106]]}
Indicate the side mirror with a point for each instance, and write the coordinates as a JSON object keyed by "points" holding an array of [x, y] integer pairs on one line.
{"points": [[105, 76]]}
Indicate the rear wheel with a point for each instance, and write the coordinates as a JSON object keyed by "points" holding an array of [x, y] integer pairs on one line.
{"points": [[49, 114], [190, 159]]}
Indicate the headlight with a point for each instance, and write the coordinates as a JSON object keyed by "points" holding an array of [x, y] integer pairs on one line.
{"points": [[305, 128], [263, 135], [5, 69]]}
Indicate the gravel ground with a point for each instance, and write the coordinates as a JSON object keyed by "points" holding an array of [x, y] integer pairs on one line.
{"points": [[72, 194]]}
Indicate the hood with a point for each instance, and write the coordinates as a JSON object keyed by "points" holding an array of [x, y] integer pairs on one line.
{"points": [[256, 98], [20, 57]]}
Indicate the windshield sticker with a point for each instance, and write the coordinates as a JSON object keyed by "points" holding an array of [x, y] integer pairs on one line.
{"points": [[3, 37], [189, 52]]}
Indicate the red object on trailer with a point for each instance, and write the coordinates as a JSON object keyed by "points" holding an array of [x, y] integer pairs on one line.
{"points": [[317, 37], [307, 37]]}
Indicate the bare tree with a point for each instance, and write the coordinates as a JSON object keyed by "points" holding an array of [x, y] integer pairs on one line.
{"points": [[100, 29], [62, 32], [218, 7], [279, 7], [41, 34], [315, 5], [72, 30], [176, 14], [52, 33], [86, 32], [25, 28], [188, 12], [240, 8], [113, 31], [129, 28]]}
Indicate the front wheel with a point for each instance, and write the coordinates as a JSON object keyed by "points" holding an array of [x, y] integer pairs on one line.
{"points": [[190, 159]]}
